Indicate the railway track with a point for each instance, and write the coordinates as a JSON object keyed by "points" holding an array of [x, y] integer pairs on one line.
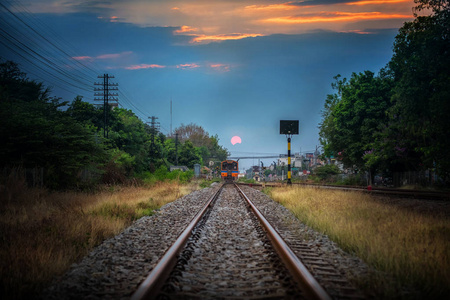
{"points": [[230, 251]]}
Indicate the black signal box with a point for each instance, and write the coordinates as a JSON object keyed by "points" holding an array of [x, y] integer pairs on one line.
{"points": [[289, 127]]}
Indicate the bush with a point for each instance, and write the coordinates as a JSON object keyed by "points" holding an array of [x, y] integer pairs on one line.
{"points": [[162, 174], [326, 171]]}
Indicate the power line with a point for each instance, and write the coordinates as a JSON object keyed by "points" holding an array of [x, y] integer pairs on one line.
{"points": [[48, 56]]}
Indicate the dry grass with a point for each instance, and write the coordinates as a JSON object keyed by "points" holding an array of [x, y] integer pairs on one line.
{"points": [[42, 233], [412, 245]]}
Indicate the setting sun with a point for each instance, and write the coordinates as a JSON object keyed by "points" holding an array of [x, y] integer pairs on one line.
{"points": [[235, 140]]}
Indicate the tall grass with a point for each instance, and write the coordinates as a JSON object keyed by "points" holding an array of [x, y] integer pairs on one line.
{"points": [[43, 233], [412, 246]]}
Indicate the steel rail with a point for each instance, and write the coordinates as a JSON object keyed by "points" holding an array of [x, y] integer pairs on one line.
{"points": [[150, 287], [312, 289]]}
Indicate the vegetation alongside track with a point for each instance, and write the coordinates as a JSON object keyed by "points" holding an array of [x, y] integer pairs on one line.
{"points": [[409, 244], [397, 121], [42, 233]]}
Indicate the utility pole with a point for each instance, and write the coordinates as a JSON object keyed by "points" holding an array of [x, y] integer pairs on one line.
{"points": [[154, 129], [176, 147], [107, 96]]}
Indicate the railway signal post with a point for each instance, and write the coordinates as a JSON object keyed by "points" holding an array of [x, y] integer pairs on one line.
{"points": [[289, 128]]}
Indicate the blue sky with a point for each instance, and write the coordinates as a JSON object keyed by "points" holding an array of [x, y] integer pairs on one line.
{"points": [[232, 67]]}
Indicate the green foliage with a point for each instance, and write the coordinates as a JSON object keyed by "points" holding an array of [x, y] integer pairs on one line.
{"points": [[207, 183], [245, 180], [35, 132], [67, 139], [323, 172], [398, 120], [421, 69], [189, 156], [162, 174], [353, 117], [208, 146]]}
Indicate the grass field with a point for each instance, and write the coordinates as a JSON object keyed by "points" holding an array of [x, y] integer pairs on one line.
{"points": [[43, 233], [401, 238]]}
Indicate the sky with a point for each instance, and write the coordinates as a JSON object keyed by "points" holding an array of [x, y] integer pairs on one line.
{"points": [[232, 67]]}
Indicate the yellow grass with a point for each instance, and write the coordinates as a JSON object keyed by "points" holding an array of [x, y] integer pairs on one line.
{"points": [[42, 233], [413, 247]]}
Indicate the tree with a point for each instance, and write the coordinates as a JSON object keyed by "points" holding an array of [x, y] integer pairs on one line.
{"points": [[421, 70], [86, 113], [353, 117], [194, 133], [188, 155], [323, 172], [208, 146], [35, 132]]}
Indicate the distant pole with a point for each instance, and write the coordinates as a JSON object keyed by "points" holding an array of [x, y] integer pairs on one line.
{"points": [[176, 147], [107, 97], [170, 116], [154, 130], [289, 161]]}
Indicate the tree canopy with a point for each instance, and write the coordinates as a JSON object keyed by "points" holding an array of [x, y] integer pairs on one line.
{"points": [[64, 138], [398, 119]]}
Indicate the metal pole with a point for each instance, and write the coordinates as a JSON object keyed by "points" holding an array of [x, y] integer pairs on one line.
{"points": [[289, 161]]}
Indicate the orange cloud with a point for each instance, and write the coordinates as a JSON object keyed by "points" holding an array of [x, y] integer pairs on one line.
{"points": [[371, 2], [282, 6], [220, 67], [357, 31], [82, 58], [188, 66], [185, 29], [144, 66], [223, 37], [336, 17], [113, 55], [103, 56]]}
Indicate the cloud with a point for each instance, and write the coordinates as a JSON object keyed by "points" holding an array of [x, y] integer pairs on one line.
{"points": [[374, 2], [112, 19], [144, 66], [282, 6], [335, 17], [104, 56], [83, 58], [223, 37], [203, 21], [185, 29], [220, 67], [114, 55], [187, 66]]}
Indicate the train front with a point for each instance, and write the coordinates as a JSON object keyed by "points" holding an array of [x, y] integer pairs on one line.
{"points": [[229, 170]]}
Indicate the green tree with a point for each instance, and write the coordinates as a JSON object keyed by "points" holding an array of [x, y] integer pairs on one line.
{"points": [[354, 116], [208, 146], [325, 171], [189, 155], [36, 132], [421, 70], [86, 113]]}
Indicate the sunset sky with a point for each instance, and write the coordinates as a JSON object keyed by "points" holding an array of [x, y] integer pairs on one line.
{"points": [[233, 67]]}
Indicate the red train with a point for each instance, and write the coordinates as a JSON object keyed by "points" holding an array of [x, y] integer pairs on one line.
{"points": [[229, 169]]}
